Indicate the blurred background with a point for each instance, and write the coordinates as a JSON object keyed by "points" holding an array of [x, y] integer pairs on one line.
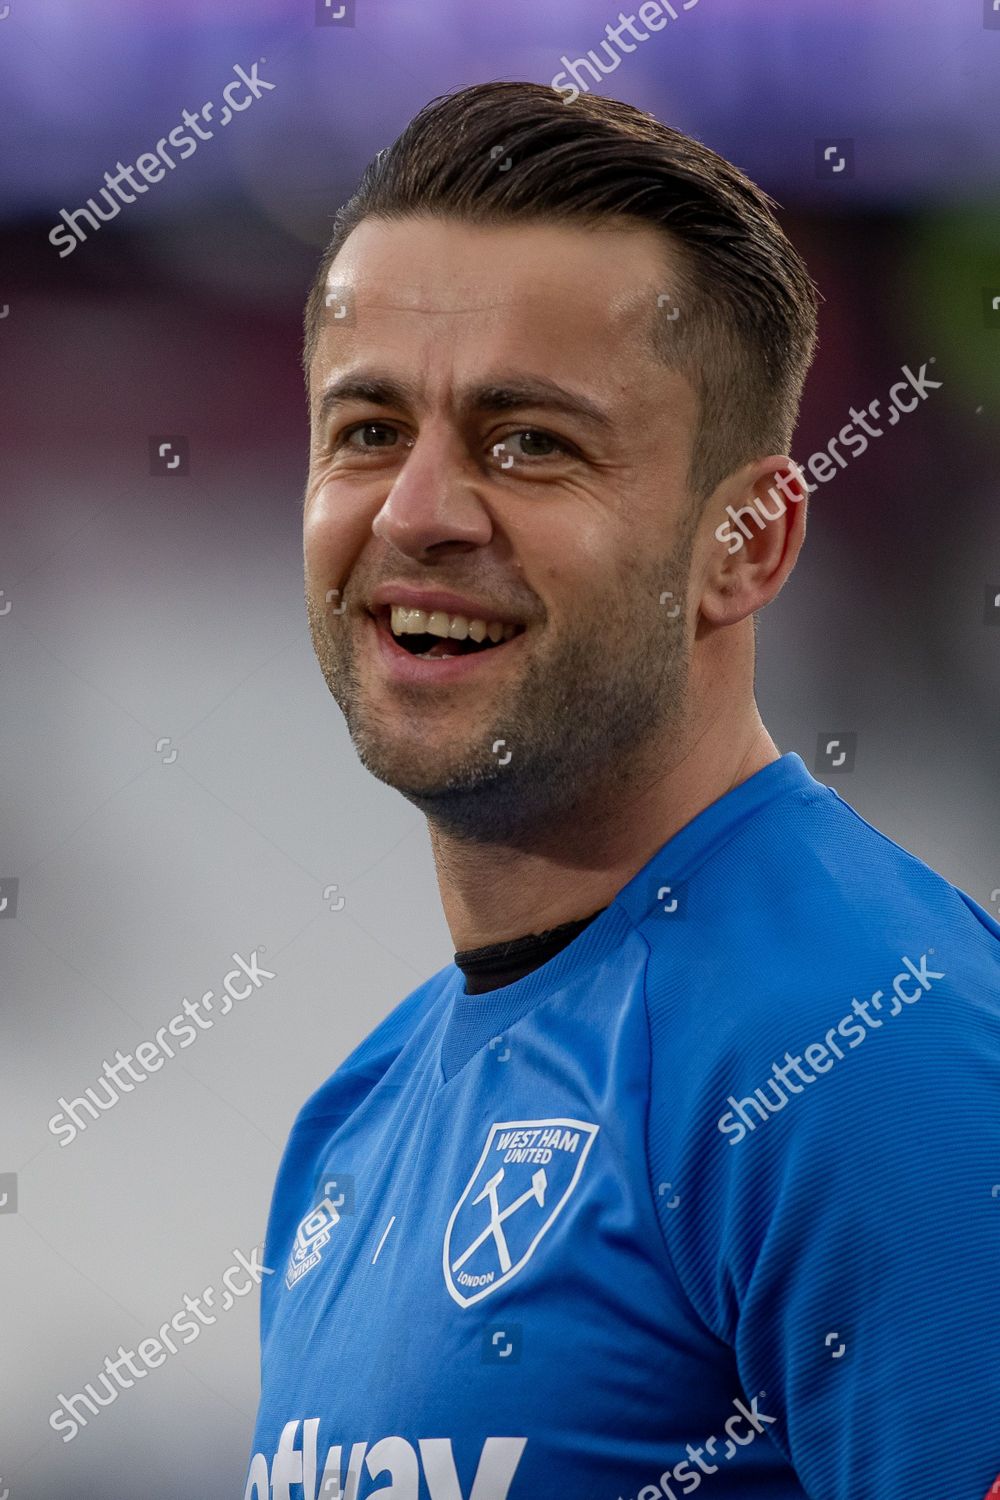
{"points": [[176, 785]]}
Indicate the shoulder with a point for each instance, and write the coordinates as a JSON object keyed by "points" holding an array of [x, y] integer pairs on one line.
{"points": [[794, 914], [370, 1061], [814, 957], [829, 1006], [349, 1087]]}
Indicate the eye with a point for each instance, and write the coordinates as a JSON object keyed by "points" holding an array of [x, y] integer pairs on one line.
{"points": [[527, 443], [379, 431]]}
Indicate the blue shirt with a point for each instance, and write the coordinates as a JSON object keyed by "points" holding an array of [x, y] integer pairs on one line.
{"points": [[710, 1197]]}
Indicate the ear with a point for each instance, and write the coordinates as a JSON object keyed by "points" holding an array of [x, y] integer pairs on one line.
{"points": [[752, 530]]}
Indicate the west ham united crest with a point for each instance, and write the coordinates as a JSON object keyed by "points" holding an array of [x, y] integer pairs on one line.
{"points": [[524, 1177]]}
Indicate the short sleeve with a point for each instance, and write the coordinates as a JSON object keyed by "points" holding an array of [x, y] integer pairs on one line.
{"points": [[839, 1219]]}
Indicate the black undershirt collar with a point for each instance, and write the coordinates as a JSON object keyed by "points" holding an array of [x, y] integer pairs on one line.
{"points": [[502, 963]]}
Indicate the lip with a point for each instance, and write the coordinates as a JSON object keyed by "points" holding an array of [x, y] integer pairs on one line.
{"points": [[430, 599], [401, 666]]}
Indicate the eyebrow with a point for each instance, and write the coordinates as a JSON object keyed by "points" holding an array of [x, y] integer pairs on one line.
{"points": [[499, 395]]}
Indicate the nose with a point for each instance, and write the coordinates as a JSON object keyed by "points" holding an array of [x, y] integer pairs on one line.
{"points": [[433, 504]]}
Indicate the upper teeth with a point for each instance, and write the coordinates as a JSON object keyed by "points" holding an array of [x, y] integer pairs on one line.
{"points": [[453, 627]]}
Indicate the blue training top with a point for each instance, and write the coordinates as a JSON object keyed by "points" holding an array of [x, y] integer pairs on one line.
{"points": [[710, 1197]]}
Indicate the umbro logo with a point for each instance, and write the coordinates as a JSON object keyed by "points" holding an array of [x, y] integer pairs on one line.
{"points": [[312, 1233]]}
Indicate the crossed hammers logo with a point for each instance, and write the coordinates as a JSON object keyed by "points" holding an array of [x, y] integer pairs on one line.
{"points": [[539, 1183]]}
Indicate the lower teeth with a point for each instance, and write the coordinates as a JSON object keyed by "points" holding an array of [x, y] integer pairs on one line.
{"points": [[434, 651]]}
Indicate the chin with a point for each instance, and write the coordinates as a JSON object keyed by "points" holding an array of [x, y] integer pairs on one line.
{"points": [[413, 776]]}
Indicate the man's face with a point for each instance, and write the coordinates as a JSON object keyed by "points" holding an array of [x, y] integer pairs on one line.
{"points": [[525, 451]]}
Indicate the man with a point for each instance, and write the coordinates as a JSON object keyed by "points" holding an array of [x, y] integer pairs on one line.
{"points": [[681, 1173]]}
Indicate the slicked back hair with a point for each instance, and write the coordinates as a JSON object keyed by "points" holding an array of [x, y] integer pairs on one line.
{"points": [[744, 330]]}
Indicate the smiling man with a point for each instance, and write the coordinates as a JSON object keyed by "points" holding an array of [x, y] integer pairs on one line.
{"points": [[636, 1193]]}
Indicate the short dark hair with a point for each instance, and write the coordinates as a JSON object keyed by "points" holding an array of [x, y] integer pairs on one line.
{"points": [[746, 330]]}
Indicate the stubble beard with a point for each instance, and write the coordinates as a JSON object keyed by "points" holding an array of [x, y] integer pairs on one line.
{"points": [[579, 720]]}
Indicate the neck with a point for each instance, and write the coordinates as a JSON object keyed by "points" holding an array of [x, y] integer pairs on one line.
{"points": [[492, 893]]}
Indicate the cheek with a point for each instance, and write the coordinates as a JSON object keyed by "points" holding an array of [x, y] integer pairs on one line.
{"points": [[585, 550], [335, 528]]}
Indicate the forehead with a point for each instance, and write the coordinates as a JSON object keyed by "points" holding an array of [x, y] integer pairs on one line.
{"points": [[567, 301]]}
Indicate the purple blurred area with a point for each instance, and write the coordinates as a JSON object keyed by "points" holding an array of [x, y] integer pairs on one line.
{"points": [[86, 84], [90, 83]]}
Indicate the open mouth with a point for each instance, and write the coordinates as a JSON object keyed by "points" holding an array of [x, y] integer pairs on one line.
{"points": [[446, 635]]}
